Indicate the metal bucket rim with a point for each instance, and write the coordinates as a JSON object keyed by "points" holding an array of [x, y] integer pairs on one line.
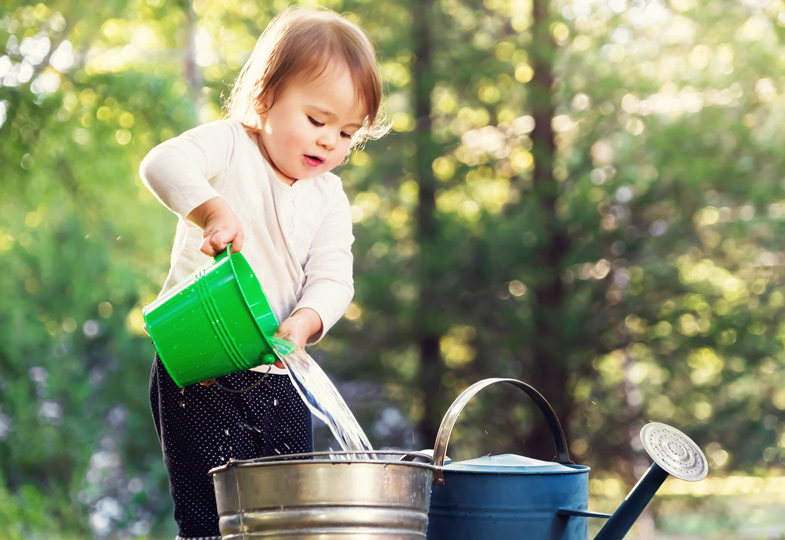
{"points": [[325, 457]]}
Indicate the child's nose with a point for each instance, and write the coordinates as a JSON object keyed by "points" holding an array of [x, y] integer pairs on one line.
{"points": [[327, 140]]}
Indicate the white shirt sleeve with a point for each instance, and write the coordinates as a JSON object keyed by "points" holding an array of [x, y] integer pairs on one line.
{"points": [[178, 171], [329, 285]]}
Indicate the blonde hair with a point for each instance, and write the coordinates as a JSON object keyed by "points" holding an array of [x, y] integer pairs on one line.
{"points": [[300, 43]]}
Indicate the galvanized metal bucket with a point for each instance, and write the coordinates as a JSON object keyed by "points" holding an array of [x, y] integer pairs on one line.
{"points": [[325, 495]]}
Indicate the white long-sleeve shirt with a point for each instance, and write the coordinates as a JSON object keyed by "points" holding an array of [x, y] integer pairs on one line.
{"points": [[298, 238]]}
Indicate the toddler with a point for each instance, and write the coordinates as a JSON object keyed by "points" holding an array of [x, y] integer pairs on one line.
{"points": [[261, 180]]}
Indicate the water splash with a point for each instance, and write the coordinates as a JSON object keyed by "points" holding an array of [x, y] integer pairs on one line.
{"points": [[324, 400]]}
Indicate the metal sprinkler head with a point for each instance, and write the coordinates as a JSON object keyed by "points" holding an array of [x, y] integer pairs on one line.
{"points": [[676, 453]]}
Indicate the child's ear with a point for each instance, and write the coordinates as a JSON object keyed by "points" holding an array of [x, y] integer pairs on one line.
{"points": [[261, 107], [262, 103]]}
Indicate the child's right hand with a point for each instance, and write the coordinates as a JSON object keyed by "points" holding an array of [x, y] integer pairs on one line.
{"points": [[221, 226]]}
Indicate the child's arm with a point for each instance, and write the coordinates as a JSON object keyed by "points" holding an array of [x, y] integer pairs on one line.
{"points": [[179, 173], [221, 226], [329, 287]]}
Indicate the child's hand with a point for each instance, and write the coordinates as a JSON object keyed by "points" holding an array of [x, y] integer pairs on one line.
{"points": [[221, 226], [300, 325]]}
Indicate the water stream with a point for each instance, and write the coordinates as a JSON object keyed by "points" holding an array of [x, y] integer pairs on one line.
{"points": [[324, 400]]}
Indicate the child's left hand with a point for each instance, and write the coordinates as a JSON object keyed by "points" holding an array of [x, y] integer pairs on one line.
{"points": [[301, 325]]}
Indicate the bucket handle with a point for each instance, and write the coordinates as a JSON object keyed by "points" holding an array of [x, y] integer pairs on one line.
{"points": [[224, 254], [448, 422]]}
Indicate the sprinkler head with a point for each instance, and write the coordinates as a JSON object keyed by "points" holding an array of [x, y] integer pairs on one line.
{"points": [[676, 453]]}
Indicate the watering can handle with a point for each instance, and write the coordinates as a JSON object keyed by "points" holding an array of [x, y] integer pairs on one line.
{"points": [[448, 422]]}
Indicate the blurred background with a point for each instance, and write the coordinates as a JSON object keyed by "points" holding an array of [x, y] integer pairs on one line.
{"points": [[585, 195]]}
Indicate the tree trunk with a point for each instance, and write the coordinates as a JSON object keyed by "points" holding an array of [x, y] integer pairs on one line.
{"points": [[426, 326], [549, 374]]}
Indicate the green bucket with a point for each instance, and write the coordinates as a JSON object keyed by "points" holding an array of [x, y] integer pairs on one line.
{"points": [[216, 322]]}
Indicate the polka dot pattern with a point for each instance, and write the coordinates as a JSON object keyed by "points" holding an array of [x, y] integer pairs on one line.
{"points": [[202, 427]]}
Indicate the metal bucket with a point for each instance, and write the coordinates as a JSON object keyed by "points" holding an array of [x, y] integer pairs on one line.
{"points": [[311, 496]]}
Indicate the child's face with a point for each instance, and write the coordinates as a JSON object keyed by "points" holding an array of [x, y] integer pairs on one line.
{"points": [[309, 128]]}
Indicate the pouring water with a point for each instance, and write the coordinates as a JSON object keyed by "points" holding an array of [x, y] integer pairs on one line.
{"points": [[321, 396]]}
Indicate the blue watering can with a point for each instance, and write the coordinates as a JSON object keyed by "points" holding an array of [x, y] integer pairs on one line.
{"points": [[515, 497]]}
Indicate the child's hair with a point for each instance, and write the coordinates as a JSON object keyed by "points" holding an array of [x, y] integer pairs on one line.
{"points": [[301, 43]]}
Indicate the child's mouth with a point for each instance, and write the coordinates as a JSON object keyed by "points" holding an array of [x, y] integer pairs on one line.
{"points": [[313, 161]]}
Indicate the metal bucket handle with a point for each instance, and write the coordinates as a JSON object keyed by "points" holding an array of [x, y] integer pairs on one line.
{"points": [[448, 422]]}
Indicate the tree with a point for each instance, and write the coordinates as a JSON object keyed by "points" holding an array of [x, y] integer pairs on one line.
{"points": [[585, 196]]}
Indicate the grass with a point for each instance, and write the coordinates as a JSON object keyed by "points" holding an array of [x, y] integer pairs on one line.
{"points": [[717, 508], [729, 508]]}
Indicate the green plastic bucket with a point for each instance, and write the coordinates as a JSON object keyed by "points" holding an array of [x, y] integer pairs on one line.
{"points": [[216, 322]]}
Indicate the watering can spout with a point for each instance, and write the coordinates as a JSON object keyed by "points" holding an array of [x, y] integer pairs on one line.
{"points": [[674, 454]]}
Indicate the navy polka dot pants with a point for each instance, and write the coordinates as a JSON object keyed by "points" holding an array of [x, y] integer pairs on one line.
{"points": [[201, 427]]}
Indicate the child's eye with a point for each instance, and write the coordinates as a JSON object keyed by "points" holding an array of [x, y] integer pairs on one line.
{"points": [[346, 135], [314, 122]]}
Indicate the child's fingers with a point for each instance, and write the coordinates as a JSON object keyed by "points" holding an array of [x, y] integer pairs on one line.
{"points": [[212, 245], [215, 242], [219, 241], [289, 331], [221, 226], [209, 248], [237, 241]]}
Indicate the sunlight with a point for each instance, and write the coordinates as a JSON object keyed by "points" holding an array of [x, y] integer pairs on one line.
{"points": [[63, 57]]}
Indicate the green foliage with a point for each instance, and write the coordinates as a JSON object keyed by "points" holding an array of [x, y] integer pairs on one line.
{"points": [[669, 201]]}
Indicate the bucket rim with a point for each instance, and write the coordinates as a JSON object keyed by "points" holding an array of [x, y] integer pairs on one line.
{"points": [[325, 457]]}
